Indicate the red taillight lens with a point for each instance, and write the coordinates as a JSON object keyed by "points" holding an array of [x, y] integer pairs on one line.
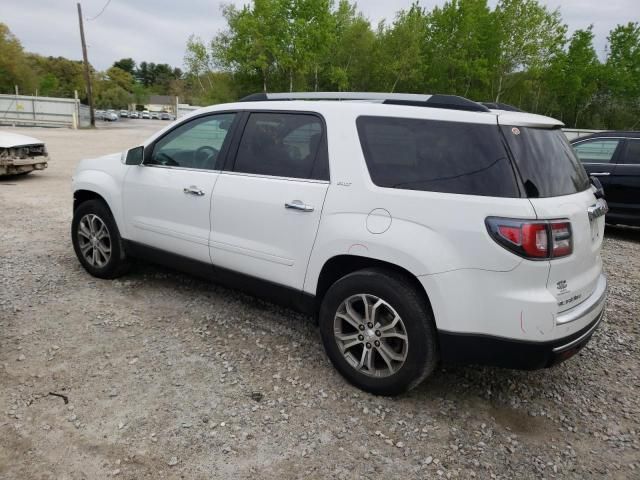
{"points": [[512, 234], [532, 239]]}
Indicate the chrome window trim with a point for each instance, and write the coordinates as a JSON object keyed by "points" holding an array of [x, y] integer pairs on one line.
{"points": [[274, 177], [173, 167]]}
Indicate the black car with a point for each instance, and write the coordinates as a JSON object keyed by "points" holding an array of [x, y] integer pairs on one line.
{"points": [[614, 158]]}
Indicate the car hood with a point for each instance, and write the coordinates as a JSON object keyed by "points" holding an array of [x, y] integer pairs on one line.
{"points": [[105, 163], [10, 140]]}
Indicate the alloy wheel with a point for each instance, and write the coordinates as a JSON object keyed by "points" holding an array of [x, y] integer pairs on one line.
{"points": [[94, 240], [371, 335]]}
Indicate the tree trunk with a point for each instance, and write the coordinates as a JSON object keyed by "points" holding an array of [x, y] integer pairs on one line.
{"points": [[499, 89], [200, 82], [264, 81], [395, 84], [316, 75], [291, 79]]}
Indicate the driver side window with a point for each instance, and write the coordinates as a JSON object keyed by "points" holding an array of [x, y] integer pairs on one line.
{"points": [[195, 144]]}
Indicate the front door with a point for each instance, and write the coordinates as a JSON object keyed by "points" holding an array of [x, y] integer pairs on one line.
{"points": [[267, 204], [599, 157], [167, 199]]}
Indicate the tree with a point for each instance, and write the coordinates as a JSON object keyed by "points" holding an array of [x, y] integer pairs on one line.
{"points": [[622, 74], [14, 68], [526, 36], [57, 76], [574, 77], [401, 50], [458, 41], [352, 45], [126, 64], [121, 78]]}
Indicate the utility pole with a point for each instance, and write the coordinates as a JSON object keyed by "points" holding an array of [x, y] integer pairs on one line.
{"points": [[87, 75]]}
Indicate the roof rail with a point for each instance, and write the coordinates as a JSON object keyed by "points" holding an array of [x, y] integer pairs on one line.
{"points": [[501, 106], [452, 102]]}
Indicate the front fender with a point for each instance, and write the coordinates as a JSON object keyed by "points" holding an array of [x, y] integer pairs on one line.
{"points": [[107, 187]]}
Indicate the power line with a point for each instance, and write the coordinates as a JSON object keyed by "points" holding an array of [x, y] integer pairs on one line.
{"points": [[101, 11]]}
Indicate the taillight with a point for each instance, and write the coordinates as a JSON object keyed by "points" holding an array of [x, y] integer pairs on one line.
{"points": [[561, 241], [537, 240]]}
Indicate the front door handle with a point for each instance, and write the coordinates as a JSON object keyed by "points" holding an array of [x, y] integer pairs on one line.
{"points": [[298, 205], [600, 174], [193, 190]]}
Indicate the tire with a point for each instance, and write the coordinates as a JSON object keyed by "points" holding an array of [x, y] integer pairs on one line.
{"points": [[399, 298], [107, 240]]}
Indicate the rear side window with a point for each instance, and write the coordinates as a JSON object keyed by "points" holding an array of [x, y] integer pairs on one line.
{"points": [[632, 153], [435, 156], [283, 145], [596, 151], [546, 161]]}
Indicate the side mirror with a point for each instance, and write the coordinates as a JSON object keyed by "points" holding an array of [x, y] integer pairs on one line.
{"points": [[135, 156], [597, 186]]}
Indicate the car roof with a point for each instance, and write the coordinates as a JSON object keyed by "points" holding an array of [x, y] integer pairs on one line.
{"points": [[609, 134], [364, 107]]}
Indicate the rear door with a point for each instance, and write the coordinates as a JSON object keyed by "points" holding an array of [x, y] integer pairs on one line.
{"points": [[268, 202], [559, 189], [627, 182]]}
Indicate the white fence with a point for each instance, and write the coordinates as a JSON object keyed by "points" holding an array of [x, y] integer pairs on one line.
{"points": [[43, 111], [185, 109]]}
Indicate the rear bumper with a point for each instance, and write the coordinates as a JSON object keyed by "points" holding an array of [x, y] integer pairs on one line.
{"points": [[518, 354]]}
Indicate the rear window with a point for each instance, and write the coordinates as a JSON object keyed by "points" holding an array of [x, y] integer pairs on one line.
{"points": [[436, 156], [546, 162]]}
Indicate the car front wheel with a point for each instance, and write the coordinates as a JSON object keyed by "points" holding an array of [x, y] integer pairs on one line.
{"points": [[378, 331], [96, 240]]}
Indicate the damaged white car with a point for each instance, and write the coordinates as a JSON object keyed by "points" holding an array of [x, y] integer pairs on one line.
{"points": [[20, 154]]}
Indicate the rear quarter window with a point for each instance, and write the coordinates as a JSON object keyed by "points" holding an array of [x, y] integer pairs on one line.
{"points": [[436, 156]]}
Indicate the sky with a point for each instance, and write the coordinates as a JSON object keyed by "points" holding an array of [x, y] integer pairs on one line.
{"points": [[157, 30]]}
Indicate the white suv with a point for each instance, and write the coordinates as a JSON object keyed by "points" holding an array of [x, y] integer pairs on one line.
{"points": [[417, 229]]}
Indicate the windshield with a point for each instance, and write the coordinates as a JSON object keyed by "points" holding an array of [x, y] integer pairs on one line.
{"points": [[546, 162]]}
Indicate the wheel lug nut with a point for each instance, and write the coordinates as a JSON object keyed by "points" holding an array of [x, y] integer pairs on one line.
{"points": [[368, 345], [360, 337], [361, 327], [377, 343], [370, 325], [378, 333]]}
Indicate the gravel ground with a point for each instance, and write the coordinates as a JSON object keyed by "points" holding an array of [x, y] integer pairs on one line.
{"points": [[170, 377]]}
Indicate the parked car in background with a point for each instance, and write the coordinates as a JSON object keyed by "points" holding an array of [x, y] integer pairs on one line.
{"points": [[99, 114], [124, 113], [110, 116], [20, 154], [418, 229], [145, 115], [155, 116], [614, 158], [134, 115], [165, 116]]}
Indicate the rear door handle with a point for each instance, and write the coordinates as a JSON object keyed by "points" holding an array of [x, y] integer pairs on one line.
{"points": [[600, 174], [298, 205], [193, 190]]}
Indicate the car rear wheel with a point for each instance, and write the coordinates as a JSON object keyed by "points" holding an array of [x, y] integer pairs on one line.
{"points": [[96, 240], [378, 331]]}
